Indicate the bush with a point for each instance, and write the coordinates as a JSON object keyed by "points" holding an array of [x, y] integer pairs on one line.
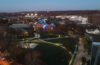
{"points": [[87, 44]]}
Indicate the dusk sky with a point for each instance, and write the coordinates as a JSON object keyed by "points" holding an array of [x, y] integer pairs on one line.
{"points": [[43, 5]]}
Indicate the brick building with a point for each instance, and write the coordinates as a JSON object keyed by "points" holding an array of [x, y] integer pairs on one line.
{"points": [[95, 19]]}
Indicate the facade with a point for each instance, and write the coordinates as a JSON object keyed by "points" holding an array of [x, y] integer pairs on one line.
{"points": [[93, 31], [3, 30], [95, 19], [31, 15], [95, 49], [95, 55], [79, 19]]}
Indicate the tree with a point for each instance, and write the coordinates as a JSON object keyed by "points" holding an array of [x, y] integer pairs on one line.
{"points": [[83, 59]]}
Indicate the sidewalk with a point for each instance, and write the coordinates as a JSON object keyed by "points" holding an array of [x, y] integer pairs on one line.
{"points": [[81, 53]]}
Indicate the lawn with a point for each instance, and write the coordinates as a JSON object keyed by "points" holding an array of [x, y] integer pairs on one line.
{"points": [[53, 55], [67, 42], [55, 51]]}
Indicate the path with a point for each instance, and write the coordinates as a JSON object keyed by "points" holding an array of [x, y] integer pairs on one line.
{"points": [[80, 53]]}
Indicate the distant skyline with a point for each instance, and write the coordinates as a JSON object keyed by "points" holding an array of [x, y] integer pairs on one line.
{"points": [[51, 5]]}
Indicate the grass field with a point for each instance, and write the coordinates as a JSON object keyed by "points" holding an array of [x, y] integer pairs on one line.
{"points": [[53, 50]]}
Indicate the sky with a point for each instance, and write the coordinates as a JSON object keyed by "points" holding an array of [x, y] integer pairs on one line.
{"points": [[51, 5]]}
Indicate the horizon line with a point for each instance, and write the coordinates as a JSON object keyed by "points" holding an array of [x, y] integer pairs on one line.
{"points": [[52, 10]]}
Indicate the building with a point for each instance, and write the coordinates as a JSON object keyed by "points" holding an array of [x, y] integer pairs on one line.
{"points": [[93, 31], [3, 30], [95, 19], [95, 54], [31, 15], [95, 49]]}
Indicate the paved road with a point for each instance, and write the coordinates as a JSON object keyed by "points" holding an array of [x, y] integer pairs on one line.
{"points": [[81, 53]]}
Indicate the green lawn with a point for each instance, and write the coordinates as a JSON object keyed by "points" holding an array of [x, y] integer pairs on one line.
{"points": [[53, 55], [58, 40], [67, 42], [53, 50]]}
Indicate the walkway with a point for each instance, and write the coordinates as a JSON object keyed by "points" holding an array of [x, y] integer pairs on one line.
{"points": [[80, 53]]}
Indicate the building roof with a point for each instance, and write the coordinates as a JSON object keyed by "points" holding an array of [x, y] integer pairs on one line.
{"points": [[96, 43], [19, 26]]}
